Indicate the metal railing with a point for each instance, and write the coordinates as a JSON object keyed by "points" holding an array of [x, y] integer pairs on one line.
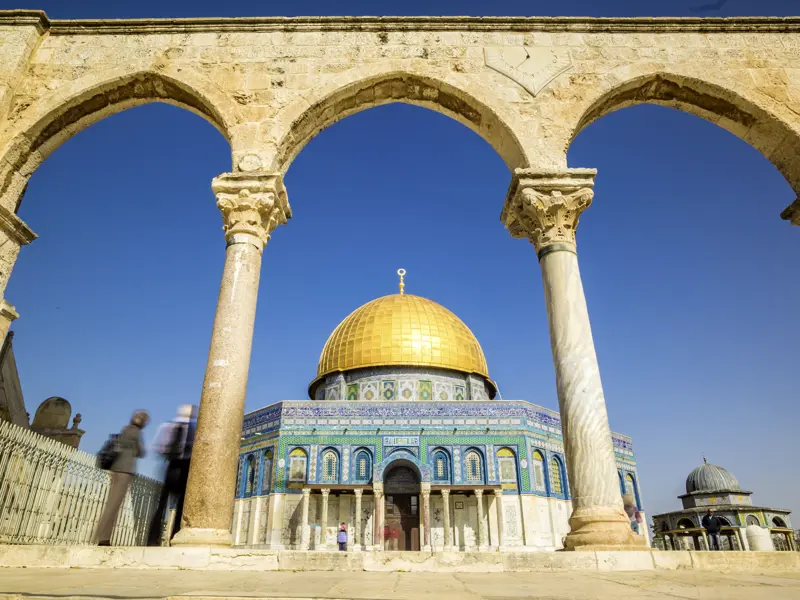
{"points": [[53, 494]]}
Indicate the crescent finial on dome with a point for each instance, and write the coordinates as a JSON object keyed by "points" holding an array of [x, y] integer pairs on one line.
{"points": [[402, 273]]}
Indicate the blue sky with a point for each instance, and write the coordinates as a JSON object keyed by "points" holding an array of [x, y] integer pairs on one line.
{"points": [[690, 276]]}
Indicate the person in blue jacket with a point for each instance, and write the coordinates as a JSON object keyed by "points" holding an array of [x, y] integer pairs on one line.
{"points": [[341, 537]]}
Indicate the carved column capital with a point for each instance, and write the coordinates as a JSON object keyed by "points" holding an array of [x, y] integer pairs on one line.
{"points": [[544, 206], [325, 492], [377, 489], [252, 206], [445, 494], [358, 492], [498, 493], [306, 491], [479, 494]]}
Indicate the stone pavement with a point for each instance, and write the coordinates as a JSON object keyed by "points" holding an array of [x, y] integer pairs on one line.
{"points": [[131, 584]]}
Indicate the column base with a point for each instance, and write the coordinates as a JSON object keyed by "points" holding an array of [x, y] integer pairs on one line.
{"points": [[601, 528], [426, 549], [195, 536]]}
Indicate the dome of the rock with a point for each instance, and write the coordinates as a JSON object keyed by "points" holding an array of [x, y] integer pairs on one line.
{"points": [[402, 330]]}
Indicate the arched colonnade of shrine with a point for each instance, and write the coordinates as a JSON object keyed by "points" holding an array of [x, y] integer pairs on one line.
{"points": [[528, 86]]}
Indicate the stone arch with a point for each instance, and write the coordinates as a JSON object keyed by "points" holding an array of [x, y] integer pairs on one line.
{"points": [[353, 92], [747, 118], [37, 130], [400, 458]]}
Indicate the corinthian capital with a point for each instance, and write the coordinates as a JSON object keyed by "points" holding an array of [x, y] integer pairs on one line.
{"points": [[252, 205], [545, 206]]}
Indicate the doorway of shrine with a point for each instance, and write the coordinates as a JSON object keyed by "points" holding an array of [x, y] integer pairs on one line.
{"points": [[401, 529]]}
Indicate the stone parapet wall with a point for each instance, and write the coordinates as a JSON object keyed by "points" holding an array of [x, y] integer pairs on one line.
{"points": [[438, 562]]}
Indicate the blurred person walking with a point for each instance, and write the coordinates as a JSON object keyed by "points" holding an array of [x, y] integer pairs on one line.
{"points": [[124, 450], [173, 442]]}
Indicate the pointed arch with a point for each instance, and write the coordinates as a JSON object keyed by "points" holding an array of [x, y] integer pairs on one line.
{"points": [[753, 120], [42, 127], [354, 91]]}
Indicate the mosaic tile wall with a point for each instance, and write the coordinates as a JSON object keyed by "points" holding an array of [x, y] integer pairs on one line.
{"points": [[404, 384], [414, 430]]}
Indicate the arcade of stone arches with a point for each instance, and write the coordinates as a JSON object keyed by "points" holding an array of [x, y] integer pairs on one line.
{"points": [[270, 85]]}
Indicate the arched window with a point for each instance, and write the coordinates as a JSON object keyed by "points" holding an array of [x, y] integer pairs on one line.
{"points": [[363, 466], [330, 466], [555, 477], [752, 520], [266, 478], [538, 471], [250, 480], [685, 524], [778, 522], [630, 486], [298, 462], [724, 521], [474, 469], [507, 465], [239, 478], [441, 466]]}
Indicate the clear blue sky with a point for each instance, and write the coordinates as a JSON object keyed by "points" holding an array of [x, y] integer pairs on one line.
{"points": [[691, 277]]}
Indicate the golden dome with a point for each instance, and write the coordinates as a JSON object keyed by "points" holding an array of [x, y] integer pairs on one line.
{"points": [[402, 330]]}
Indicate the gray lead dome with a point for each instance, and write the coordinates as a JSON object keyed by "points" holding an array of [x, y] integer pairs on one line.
{"points": [[709, 478]]}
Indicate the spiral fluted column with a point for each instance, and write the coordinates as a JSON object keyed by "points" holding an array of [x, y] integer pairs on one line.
{"points": [[544, 207]]}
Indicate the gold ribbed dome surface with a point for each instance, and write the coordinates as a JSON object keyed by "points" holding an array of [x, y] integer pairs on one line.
{"points": [[402, 330]]}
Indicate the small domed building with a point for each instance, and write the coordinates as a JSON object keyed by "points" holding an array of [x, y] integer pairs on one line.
{"points": [[405, 440], [711, 486]]}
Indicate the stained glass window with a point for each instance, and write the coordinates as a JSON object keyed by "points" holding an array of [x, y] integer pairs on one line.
{"points": [[251, 476], [474, 470], [330, 466], [266, 479], [362, 466], [555, 477], [538, 471], [441, 470]]}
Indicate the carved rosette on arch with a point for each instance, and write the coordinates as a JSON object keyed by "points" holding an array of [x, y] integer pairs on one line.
{"points": [[252, 206], [545, 206]]}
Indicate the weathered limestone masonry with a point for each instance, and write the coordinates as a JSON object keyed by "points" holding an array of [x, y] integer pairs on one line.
{"points": [[526, 85]]}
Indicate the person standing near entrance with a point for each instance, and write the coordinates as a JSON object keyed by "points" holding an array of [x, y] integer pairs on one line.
{"points": [[341, 538], [129, 447], [174, 442], [712, 525]]}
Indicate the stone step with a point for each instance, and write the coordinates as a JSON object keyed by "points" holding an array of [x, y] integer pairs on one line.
{"points": [[234, 559]]}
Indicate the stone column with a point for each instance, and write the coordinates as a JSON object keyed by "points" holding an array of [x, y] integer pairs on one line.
{"points": [[323, 541], [379, 516], [479, 498], [426, 517], [252, 205], [448, 534], [544, 207], [305, 530], [498, 500], [357, 524]]}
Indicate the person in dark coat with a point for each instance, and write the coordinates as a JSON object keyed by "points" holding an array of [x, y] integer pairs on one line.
{"points": [[174, 442], [130, 448], [712, 525]]}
